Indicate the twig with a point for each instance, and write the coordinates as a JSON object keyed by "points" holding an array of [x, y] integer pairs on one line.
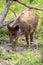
{"points": [[28, 6], [10, 21], [13, 12]]}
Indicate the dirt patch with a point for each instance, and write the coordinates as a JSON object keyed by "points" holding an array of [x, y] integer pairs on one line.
{"points": [[8, 46]]}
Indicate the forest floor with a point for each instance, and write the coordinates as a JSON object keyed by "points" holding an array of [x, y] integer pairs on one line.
{"points": [[22, 55]]}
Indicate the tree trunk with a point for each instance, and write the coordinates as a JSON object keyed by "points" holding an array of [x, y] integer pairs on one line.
{"points": [[4, 13]]}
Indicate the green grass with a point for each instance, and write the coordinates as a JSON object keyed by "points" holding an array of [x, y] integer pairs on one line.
{"points": [[22, 59]]}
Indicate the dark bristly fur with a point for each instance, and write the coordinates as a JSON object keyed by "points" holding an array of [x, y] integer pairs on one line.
{"points": [[25, 24]]}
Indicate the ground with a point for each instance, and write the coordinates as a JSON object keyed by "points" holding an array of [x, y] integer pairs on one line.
{"points": [[22, 55]]}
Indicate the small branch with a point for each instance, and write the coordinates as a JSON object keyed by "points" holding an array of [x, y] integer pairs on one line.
{"points": [[10, 21], [28, 6], [13, 12]]}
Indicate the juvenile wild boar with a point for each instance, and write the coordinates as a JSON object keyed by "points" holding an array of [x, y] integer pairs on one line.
{"points": [[25, 24]]}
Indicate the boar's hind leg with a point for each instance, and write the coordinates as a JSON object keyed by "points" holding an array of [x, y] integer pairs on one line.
{"points": [[31, 38], [27, 40]]}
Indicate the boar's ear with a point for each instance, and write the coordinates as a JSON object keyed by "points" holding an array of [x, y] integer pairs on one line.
{"points": [[16, 27], [10, 28]]}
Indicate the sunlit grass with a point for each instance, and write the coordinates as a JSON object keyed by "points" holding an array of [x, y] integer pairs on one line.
{"points": [[24, 59]]}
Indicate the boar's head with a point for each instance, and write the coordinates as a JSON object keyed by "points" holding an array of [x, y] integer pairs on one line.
{"points": [[14, 32]]}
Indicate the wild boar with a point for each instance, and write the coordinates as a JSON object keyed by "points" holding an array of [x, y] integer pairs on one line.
{"points": [[25, 24]]}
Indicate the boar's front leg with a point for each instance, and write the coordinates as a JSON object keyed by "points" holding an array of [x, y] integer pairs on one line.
{"points": [[10, 37], [31, 38], [27, 40]]}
